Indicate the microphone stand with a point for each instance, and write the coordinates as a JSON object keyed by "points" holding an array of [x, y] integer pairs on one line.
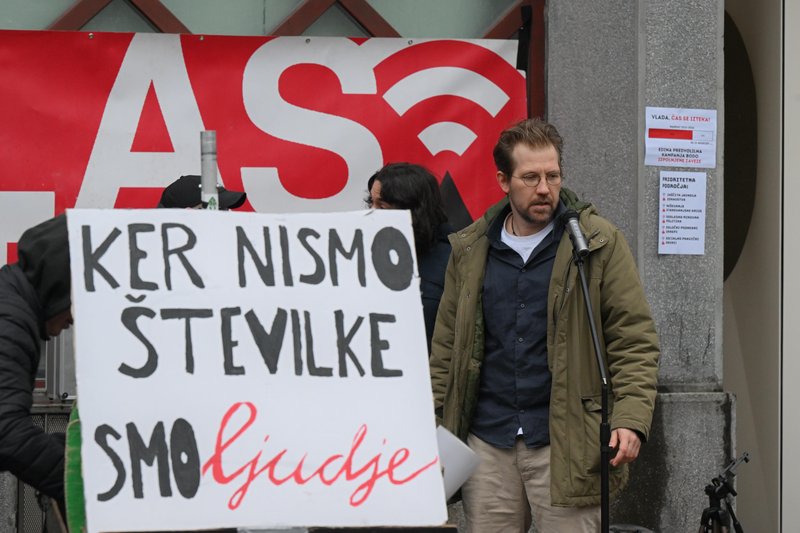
{"points": [[605, 428]]}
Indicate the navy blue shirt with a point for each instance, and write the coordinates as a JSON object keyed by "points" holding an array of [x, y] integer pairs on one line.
{"points": [[515, 382]]}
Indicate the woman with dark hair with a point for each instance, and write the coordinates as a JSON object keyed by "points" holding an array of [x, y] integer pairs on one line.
{"points": [[412, 187]]}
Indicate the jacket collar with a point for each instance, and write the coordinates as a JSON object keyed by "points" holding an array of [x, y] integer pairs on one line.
{"points": [[494, 226], [479, 228]]}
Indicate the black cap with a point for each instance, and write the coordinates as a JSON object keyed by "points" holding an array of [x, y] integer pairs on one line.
{"points": [[185, 192]]}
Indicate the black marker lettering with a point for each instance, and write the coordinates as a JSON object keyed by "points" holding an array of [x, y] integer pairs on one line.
{"points": [[379, 345], [101, 435], [91, 259], [397, 275], [129, 317], [228, 344], [343, 343], [335, 245], [187, 314], [135, 256], [265, 269], [191, 240]]}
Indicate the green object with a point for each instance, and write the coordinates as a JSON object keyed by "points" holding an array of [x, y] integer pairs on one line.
{"points": [[73, 478]]}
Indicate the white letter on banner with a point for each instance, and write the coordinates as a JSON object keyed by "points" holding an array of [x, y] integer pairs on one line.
{"points": [[150, 58], [22, 210], [353, 142]]}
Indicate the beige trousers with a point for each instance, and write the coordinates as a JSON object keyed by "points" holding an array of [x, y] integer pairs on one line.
{"points": [[512, 485]]}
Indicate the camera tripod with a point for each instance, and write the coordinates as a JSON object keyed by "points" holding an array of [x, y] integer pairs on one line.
{"points": [[717, 517]]}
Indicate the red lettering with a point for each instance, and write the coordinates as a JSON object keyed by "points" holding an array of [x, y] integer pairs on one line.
{"points": [[347, 471]]}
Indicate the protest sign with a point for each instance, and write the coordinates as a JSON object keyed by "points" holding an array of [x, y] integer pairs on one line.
{"points": [[251, 370]]}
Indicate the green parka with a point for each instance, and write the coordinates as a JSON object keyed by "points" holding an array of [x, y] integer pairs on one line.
{"points": [[627, 336]]}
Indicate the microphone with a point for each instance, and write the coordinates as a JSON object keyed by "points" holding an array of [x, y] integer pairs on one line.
{"points": [[570, 219]]}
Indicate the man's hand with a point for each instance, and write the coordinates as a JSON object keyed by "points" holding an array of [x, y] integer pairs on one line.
{"points": [[627, 443]]}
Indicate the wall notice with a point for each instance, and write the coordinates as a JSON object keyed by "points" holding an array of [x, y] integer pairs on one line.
{"points": [[680, 137], [682, 213]]}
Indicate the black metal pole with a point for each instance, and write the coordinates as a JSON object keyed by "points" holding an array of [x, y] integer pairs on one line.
{"points": [[605, 428]]}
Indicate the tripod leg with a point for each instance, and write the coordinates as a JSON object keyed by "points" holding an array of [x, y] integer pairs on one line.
{"points": [[703, 522], [737, 527], [714, 520]]}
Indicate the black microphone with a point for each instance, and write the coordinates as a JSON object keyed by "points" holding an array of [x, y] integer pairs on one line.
{"points": [[570, 219]]}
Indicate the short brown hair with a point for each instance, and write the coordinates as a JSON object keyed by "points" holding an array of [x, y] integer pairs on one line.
{"points": [[532, 132]]}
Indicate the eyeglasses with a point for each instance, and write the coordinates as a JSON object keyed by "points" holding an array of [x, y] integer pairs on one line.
{"points": [[532, 180]]}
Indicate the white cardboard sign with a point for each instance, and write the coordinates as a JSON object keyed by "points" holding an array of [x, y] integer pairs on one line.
{"points": [[251, 370]]}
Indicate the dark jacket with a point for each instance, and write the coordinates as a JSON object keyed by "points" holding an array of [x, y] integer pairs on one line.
{"points": [[627, 337], [432, 266], [31, 291]]}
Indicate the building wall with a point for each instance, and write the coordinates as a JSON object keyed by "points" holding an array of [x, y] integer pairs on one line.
{"points": [[790, 460], [607, 62], [752, 324]]}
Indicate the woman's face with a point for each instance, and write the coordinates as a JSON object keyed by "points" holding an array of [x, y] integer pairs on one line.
{"points": [[376, 202]]}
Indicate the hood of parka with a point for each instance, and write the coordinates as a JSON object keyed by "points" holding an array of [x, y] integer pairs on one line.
{"points": [[43, 252]]}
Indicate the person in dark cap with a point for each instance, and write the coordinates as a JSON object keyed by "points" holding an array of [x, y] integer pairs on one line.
{"points": [[184, 193], [35, 304]]}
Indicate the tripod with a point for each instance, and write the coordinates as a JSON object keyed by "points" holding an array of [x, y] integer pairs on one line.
{"points": [[716, 518]]}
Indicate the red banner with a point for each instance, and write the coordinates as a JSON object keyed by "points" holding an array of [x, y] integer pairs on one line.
{"points": [[109, 119]]}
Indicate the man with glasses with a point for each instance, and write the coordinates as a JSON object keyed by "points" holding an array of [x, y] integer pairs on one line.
{"points": [[512, 366]]}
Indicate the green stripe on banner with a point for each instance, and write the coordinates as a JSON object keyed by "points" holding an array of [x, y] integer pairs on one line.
{"points": [[73, 479]]}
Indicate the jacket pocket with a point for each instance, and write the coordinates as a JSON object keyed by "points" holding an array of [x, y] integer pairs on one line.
{"points": [[464, 320], [591, 434], [471, 390], [464, 397], [461, 394]]}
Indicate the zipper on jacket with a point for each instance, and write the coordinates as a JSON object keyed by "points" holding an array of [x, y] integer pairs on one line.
{"points": [[564, 293], [461, 312], [558, 306]]}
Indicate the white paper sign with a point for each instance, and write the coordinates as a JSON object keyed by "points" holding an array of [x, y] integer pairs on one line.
{"points": [[252, 370], [680, 137], [682, 210]]}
